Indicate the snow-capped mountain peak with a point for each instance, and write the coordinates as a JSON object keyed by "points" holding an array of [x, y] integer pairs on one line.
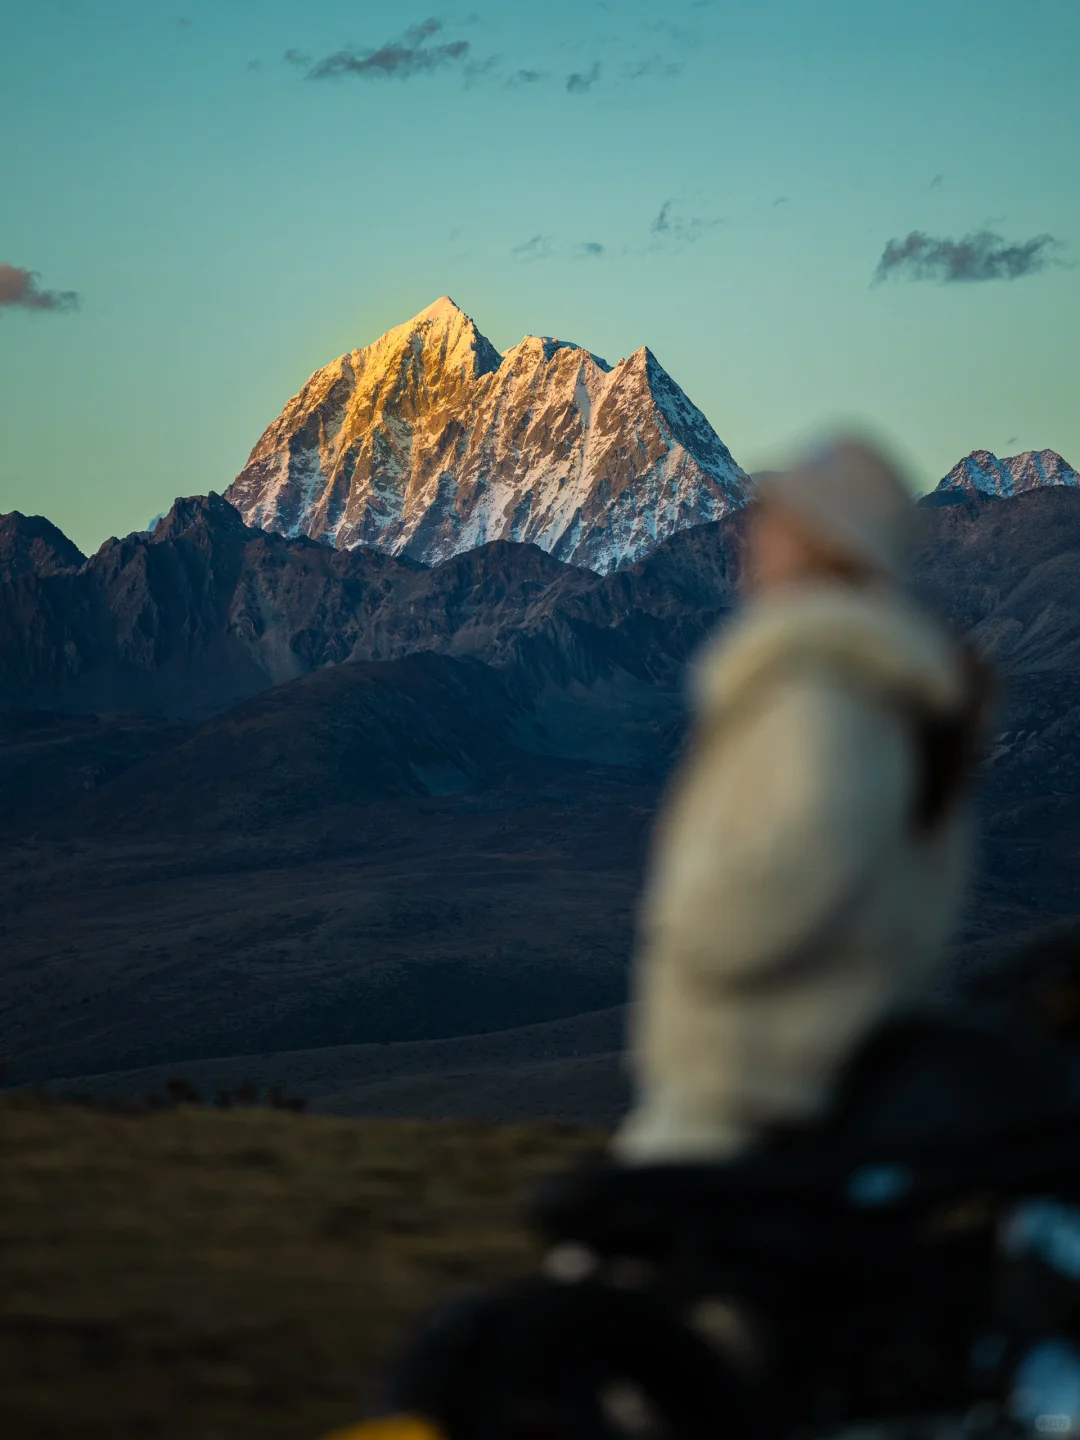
{"points": [[983, 473], [429, 442], [448, 337]]}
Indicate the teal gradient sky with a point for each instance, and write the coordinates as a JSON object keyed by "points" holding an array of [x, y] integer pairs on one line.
{"points": [[231, 225]]}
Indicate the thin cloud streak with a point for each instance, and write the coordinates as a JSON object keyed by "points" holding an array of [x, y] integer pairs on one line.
{"points": [[397, 59], [980, 256], [19, 290], [672, 228], [657, 66], [539, 247]]}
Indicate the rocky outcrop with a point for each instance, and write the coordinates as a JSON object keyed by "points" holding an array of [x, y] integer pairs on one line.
{"points": [[32, 545], [428, 443]]}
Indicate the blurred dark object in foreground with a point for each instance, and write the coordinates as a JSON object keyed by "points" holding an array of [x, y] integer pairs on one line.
{"points": [[1039, 982], [913, 1255]]}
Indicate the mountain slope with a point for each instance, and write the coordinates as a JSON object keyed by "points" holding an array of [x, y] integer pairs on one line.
{"points": [[428, 442], [346, 735]]}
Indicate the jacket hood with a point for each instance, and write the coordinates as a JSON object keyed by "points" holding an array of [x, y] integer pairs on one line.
{"points": [[877, 637]]}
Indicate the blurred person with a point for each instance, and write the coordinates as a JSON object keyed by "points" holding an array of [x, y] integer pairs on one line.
{"points": [[810, 858]]}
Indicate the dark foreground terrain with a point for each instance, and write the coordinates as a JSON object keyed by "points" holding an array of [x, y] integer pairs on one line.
{"points": [[201, 1275]]}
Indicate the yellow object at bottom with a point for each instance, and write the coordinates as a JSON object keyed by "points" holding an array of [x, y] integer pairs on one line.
{"points": [[389, 1427]]}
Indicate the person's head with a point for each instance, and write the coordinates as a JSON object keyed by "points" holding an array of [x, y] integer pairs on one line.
{"points": [[843, 514], [782, 549]]}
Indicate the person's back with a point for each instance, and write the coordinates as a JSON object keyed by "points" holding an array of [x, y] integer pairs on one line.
{"points": [[809, 863]]}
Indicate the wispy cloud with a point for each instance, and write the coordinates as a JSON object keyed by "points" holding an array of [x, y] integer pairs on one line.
{"points": [[590, 250], [19, 290], [655, 66], [579, 84], [526, 77], [478, 70], [539, 247], [673, 226], [980, 256], [399, 59], [662, 223]]}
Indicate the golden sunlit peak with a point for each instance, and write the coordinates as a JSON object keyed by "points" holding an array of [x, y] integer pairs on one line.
{"points": [[442, 309]]}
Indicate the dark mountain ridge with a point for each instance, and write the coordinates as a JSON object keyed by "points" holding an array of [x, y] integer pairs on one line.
{"points": [[445, 835], [205, 611], [32, 545]]}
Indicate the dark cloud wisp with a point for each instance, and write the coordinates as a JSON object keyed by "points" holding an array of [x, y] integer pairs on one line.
{"points": [[673, 227], [539, 247], [980, 256], [19, 290], [397, 59], [578, 84], [656, 65]]}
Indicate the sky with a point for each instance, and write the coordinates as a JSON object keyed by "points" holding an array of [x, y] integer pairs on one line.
{"points": [[812, 213]]}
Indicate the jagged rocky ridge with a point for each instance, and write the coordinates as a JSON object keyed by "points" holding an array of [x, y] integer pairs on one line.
{"points": [[205, 612], [30, 545], [428, 443]]}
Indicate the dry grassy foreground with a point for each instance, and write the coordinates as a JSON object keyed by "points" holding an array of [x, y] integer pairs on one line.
{"points": [[204, 1275]]}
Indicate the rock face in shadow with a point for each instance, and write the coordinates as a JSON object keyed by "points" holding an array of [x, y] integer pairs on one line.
{"points": [[428, 443], [182, 621], [31, 545], [203, 612]]}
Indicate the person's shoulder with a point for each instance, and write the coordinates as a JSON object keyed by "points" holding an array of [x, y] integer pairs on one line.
{"points": [[832, 635]]}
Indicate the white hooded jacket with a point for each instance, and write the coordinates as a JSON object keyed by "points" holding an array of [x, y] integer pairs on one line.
{"points": [[792, 901]]}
